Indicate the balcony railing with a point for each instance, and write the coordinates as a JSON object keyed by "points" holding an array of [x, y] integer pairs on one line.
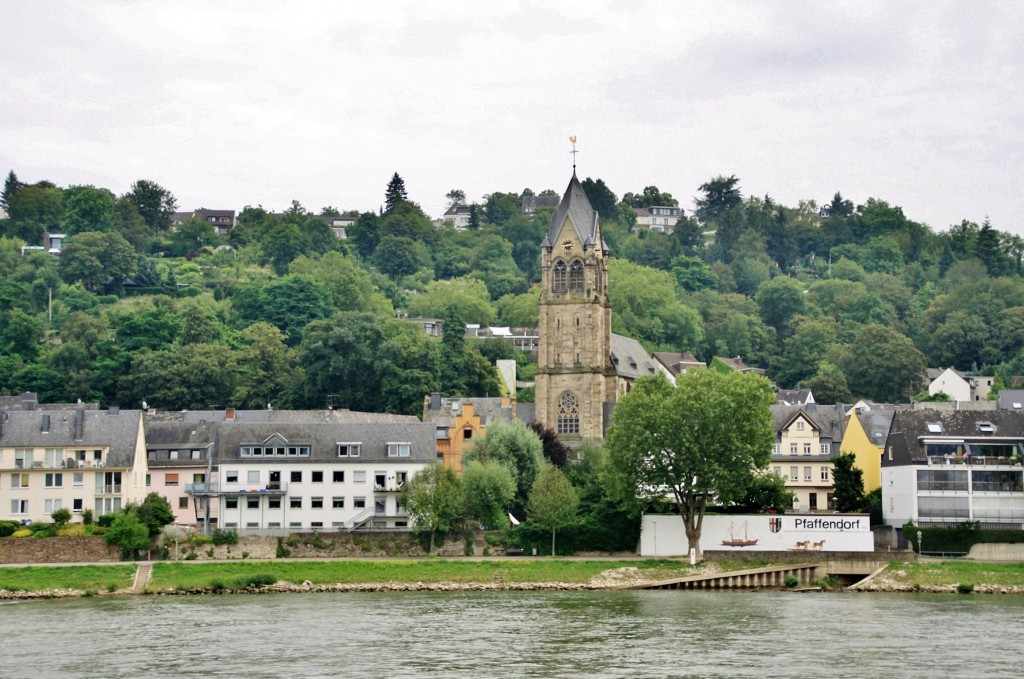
{"points": [[236, 488], [108, 489]]}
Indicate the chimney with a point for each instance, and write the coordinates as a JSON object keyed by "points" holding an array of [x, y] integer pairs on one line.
{"points": [[229, 415]]}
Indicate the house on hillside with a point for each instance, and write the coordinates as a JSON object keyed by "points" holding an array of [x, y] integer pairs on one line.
{"points": [[806, 440], [660, 218], [458, 217], [223, 220], [723, 364], [70, 458], [674, 364], [960, 386], [867, 428], [794, 397], [944, 468]]}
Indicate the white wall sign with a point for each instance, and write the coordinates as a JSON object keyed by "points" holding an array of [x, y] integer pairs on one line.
{"points": [[663, 534]]}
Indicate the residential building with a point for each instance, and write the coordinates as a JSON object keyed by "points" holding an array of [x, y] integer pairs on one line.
{"points": [[281, 471], [673, 364], [660, 218], [70, 458], [960, 386], [531, 203], [458, 422], [180, 457], [340, 224], [459, 216], [867, 428], [794, 397], [721, 363], [223, 220], [806, 440], [943, 468]]}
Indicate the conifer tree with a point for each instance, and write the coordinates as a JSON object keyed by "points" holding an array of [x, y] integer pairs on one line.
{"points": [[11, 187], [395, 193]]}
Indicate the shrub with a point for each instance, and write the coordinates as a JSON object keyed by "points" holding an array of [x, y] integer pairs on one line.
{"points": [[282, 551], [198, 539], [90, 592], [61, 517], [106, 520], [217, 586], [255, 580], [111, 586], [87, 517], [9, 528], [469, 545], [191, 556], [965, 588], [225, 537], [245, 555], [791, 581], [22, 533]]}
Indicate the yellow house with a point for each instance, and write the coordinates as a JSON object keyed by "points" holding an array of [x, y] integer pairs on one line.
{"points": [[866, 431]]}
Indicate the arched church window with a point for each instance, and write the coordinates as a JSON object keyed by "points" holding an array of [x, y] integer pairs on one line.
{"points": [[568, 414], [576, 276], [559, 283]]}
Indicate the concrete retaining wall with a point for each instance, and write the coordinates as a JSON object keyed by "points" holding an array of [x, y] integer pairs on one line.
{"points": [[991, 551]]}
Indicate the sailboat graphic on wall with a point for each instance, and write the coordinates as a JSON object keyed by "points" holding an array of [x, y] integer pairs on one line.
{"points": [[734, 541]]}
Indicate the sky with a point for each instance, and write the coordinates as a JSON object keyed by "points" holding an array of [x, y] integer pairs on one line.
{"points": [[229, 104]]}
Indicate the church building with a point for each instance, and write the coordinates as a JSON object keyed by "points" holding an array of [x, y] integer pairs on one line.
{"points": [[582, 367]]}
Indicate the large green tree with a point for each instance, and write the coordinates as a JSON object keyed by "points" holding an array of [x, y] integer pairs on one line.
{"points": [[518, 448], [849, 483], [434, 500], [395, 193], [488, 492], [94, 258], [154, 203], [707, 437]]}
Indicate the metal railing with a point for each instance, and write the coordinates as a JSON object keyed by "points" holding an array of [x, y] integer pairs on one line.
{"points": [[236, 488]]}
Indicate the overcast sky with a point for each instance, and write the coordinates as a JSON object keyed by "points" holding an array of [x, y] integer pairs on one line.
{"points": [[231, 104]]}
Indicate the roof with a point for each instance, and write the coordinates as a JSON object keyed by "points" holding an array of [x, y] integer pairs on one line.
{"points": [[630, 359], [912, 427], [876, 423], [323, 438], [829, 420], [1011, 399], [274, 416], [29, 400], [78, 428], [794, 396], [736, 364], [443, 410], [677, 363], [576, 207]]}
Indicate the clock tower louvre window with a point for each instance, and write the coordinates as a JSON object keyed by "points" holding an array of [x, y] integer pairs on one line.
{"points": [[576, 276], [559, 283]]}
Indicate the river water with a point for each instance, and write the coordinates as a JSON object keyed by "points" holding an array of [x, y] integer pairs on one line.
{"points": [[516, 634]]}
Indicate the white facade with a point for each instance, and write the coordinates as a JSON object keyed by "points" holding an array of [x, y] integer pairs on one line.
{"points": [[944, 493], [663, 535]]}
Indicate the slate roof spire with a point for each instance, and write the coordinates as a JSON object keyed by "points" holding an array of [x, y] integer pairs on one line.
{"points": [[576, 207]]}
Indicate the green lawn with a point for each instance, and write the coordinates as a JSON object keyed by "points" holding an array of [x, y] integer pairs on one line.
{"points": [[35, 578], [956, 572], [181, 575]]}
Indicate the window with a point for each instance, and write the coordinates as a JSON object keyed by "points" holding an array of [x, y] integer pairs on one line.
{"points": [[441, 434], [379, 480], [559, 281], [338, 476], [338, 502], [54, 480], [199, 479], [807, 449], [794, 474], [986, 427], [252, 524], [295, 502], [318, 477], [359, 502], [231, 502], [399, 449], [316, 503], [295, 524], [778, 471], [824, 473], [576, 276], [825, 449], [231, 477], [349, 449], [776, 448], [273, 503], [807, 473], [359, 477], [19, 480], [76, 505], [170, 479], [19, 506], [934, 427], [197, 454], [149, 480], [54, 457], [22, 458], [890, 453], [183, 502], [78, 479], [252, 503], [379, 506], [253, 476], [799, 425], [173, 455], [568, 421], [50, 506], [296, 477], [467, 433], [792, 449], [316, 524]]}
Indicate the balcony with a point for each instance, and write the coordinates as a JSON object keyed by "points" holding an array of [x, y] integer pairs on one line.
{"points": [[235, 489], [384, 488], [108, 489]]}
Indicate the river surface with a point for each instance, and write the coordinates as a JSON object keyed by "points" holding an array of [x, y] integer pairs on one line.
{"points": [[516, 634]]}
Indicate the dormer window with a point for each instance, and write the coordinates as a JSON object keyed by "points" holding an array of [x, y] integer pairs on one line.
{"points": [[934, 427], [986, 427], [349, 449]]}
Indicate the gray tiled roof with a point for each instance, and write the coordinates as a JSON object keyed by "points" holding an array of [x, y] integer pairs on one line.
{"points": [[78, 428], [910, 427], [576, 207], [830, 420], [488, 409], [311, 416], [630, 359], [876, 423], [323, 439]]}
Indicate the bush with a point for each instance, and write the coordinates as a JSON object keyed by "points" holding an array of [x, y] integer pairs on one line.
{"points": [[224, 537], [469, 545], [791, 581], [61, 517], [255, 580], [22, 533], [106, 520], [282, 551], [9, 528], [87, 517], [217, 586], [958, 538], [198, 539], [965, 588]]}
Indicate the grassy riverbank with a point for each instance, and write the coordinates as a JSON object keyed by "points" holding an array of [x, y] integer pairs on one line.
{"points": [[85, 578], [937, 574]]}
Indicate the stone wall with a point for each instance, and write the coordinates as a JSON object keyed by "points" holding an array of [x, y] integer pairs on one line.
{"points": [[57, 550]]}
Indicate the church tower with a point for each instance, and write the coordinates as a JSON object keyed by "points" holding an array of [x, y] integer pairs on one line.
{"points": [[575, 376]]}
